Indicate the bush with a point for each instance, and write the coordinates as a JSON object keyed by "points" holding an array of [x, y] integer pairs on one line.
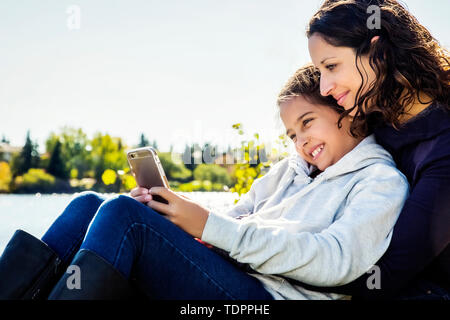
{"points": [[5, 176], [37, 180], [128, 182], [174, 170], [174, 185], [213, 173], [197, 185]]}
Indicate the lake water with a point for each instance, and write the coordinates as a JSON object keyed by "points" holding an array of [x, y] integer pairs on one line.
{"points": [[35, 213]]}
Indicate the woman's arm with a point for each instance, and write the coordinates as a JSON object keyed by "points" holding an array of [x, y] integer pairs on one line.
{"points": [[335, 256]]}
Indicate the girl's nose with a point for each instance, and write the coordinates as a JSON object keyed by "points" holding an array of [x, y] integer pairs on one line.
{"points": [[301, 141], [326, 86]]}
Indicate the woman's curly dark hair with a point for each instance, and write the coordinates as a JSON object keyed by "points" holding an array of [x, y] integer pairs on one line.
{"points": [[406, 58]]}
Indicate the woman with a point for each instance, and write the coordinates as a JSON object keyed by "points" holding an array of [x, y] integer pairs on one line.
{"points": [[395, 80]]}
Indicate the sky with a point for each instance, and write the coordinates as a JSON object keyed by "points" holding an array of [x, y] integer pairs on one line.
{"points": [[178, 71]]}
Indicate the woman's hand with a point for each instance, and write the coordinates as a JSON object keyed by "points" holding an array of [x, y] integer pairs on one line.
{"points": [[185, 213]]}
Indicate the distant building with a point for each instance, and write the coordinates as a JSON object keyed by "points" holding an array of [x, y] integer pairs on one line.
{"points": [[224, 159], [6, 151]]}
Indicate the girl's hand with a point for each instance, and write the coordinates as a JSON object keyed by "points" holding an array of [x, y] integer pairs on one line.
{"points": [[185, 213], [141, 194]]}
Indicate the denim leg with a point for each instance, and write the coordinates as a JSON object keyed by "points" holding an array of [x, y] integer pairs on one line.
{"points": [[66, 233], [167, 262]]}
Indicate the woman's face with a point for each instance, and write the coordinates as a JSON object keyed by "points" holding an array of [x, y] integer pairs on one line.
{"points": [[313, 129], [339, 76]]}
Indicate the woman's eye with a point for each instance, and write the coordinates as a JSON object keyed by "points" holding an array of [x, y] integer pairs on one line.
{"points": [[331, 67]]}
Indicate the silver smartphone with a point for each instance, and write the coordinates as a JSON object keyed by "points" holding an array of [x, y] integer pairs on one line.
{"points": [[147, 169]]}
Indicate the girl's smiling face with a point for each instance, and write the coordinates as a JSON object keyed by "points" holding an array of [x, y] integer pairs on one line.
{"points": [[339, 75], [313, 129]]}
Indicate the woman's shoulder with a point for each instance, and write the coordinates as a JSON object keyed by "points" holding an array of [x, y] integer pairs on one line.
{"points": [[431, 127]]}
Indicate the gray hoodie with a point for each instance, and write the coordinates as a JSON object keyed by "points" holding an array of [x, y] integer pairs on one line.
{"points": [[325, 231]]}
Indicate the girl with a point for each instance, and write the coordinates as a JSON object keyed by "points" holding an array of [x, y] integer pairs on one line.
{"points": [[323, 216], [395, 80]]}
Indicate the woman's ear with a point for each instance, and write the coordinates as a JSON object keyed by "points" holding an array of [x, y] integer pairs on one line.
{"points": [[374, 39]]}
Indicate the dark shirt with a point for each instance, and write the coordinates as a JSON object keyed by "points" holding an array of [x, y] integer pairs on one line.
{"points": [[419, 248]]}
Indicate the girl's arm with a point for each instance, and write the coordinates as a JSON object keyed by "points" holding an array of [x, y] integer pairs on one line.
{"points": [[339, 254]]}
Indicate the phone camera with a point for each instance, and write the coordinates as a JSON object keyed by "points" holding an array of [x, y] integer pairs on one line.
{"points": [[132, 155]]}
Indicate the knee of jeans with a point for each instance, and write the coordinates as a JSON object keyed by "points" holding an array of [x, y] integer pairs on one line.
{"points": [[119, 205], [88, 199]]}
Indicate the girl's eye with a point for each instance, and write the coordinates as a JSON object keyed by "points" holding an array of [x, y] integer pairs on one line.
{"points": [[330, 66], [306, 121]]}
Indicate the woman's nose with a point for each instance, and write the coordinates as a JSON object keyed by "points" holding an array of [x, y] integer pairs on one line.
{"points": [[326, 86]]}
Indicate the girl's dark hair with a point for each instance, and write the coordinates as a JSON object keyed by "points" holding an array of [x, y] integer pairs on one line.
{"points": [[406, 59], [306, 83]]}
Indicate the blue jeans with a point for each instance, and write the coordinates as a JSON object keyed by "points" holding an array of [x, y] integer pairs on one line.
{"points": [[167, 262]]}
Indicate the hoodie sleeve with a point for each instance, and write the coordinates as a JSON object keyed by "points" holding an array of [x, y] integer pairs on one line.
{"points": [[247, 202], [349, 247]]}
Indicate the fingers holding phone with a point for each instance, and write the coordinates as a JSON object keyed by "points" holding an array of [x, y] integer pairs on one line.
{"points": [[148, 172], [141, 194]]}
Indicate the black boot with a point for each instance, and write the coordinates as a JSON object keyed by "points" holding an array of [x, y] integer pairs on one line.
{"points": [[92, 278], [28, 268]]}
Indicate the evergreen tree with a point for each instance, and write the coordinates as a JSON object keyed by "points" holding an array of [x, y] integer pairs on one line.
{"points": [[4, 140], [186, 157], [29, 156], [209, 153], [192, 156], [154, 145], [143, 141], [56, 164]]}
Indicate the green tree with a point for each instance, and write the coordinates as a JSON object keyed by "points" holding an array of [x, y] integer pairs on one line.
{"points": [[252, 166], [209, 153], [107, 154], [143, 141], [174, 170], [4, 140], [56, 166], [75, 149], [213, 173], [27, 158], [192, 156], [154, 145]]}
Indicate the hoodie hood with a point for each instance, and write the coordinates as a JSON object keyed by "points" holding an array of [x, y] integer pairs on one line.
{"points": [[364, 154]]}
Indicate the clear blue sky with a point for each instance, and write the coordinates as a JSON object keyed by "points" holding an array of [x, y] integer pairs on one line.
{"points": [[178, 71]]}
